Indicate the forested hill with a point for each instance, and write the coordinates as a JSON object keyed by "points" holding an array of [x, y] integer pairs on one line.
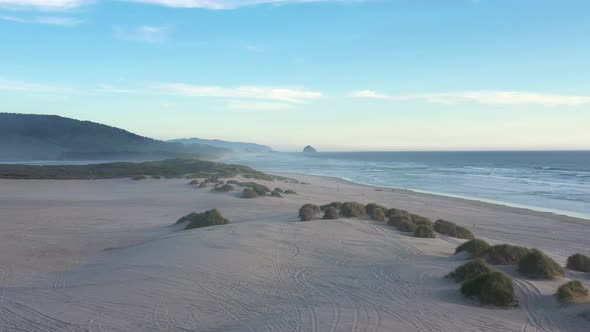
{"points": [[51, 137]]}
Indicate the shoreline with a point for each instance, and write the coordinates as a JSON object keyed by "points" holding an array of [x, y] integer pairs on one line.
{"points": [[551, 212]]}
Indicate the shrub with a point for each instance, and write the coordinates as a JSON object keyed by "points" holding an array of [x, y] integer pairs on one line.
{"points": [[258, 188], [194, 183], [233, 182], [225, 188], [538, 265], [578, 262], [453, 230], [420, 221], [378, 214], [290, 192], [571, 292], [204, 219], [249, 193], [275, 193], [279, 190], [371, 207], [352, 209], [308, 211], [505, 254], [139, 177], [203, 184], [469, 270], [405, 225], [335, 205], [395, 220], [397, 212], [494, 288], [330, 213], [475, 247], [424, 231]]}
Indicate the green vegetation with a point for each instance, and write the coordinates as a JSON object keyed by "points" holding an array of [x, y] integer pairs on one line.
{"points": [[505, 254], [156, 177], [204, 219], [279, 190], [475, 247], [170, 168], [405, 225], [453, 230], [371, 207], [203, 184], [330, 213], [290, 192], [420, 221], [378, 214], [578, 262], [225, 188], [335, 205], [275, 193], [470, 270], [308, 211], [249, 193], [194, 183], [494, 288], [424, 231], [572, 291], [261, 190], [397, 212], [538, 265], [352, 209], [139, 177]]}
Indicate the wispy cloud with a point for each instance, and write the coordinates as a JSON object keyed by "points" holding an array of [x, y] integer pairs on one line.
{"points": [[28, 87], [258, 106], [229, 4], [42, 4], [145, 33], [47, 20], [243, 92], [483, 97]]}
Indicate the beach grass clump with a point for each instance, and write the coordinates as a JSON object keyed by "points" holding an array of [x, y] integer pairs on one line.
{"points": [[578, 262], [352, 209], [405, 225], [493, 288], [203, 184], [572, 291], [453, 230], [308, 211], [397, 212], [371, 207], [194, 182], [420, 220], [249, 193], [204, 219], [290, 192], [156, 177], [378, 214], [138, 177], [424, 231], [335, 205], [538, 265], [505, 254], [469, 270], [330, 213], [475, 247], [279, 190], [224, 188], [275, 193]]}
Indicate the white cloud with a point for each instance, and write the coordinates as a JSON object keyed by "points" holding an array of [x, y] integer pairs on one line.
{"points": [[484, 97], [242, 92], [228, 4], [47, 20], [42, 4], [145, 33], [28, 87], [258, 106]]}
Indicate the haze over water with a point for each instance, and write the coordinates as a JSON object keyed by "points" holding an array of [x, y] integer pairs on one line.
{"points": [[557, 181]]}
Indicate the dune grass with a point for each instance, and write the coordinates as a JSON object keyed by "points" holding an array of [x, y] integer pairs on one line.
{"points": [[469, 270], [308, 211], [249, 193], [224, 188], [290, 192], [336, 205], [475, 247], [493, 288], [572, 291], [578, 262], [453, 230], [371, 207], [538, 265], [424, 231], [204, 219], [505, 254], [330, 213], [378, 214], [352, 209]]}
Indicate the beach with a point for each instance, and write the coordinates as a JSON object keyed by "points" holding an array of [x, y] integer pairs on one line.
{"points": [[102, 255]]}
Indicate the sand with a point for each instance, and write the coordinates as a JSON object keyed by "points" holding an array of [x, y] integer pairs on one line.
{"points": [[101, 256]]}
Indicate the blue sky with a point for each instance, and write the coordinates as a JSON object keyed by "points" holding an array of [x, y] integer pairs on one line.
{"points": [[341, 75]]}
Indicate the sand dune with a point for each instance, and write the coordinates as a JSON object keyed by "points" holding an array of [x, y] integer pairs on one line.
{"points": [[101, 256]]}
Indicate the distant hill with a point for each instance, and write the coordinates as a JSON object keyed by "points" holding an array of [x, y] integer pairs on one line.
{"points": [[234, 146], [51, 137]]}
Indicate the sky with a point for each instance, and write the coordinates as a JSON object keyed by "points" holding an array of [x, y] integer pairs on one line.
{"points": [[337, 74]]}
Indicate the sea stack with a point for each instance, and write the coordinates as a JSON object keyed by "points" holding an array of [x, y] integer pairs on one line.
{"points": [[309, 149]]}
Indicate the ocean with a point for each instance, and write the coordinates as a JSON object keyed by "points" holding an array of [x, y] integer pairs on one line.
{"points": [[554, 181]]}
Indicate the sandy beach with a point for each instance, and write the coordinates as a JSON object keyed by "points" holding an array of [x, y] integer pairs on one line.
{"points": [[102, 256]]}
